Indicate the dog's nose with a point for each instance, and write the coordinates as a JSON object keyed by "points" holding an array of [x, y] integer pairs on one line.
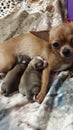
{"points": [[66, 52]]}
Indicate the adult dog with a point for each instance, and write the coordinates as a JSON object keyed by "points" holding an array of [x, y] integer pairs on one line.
{"points": [[56, 47]]}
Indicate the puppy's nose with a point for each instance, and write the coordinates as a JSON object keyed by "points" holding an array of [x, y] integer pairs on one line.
{"points": [[66, 52], [45, 63]]}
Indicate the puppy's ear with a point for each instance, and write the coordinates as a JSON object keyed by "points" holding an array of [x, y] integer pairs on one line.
{"points": [[41, 34], [19, 58]]}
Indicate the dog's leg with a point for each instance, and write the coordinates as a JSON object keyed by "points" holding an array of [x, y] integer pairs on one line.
{"points": [[6, 62], [45, 81]]}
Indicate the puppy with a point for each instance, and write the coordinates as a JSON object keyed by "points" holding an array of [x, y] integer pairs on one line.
{"points": [[56, 48], [12, 79], [30, 83]]}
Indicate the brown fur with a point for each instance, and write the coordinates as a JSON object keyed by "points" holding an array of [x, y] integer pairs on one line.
{"points": [[32, 45]]}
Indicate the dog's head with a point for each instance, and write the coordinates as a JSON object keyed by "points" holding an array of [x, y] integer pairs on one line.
{"points": [[38, 63], [61, 40]]}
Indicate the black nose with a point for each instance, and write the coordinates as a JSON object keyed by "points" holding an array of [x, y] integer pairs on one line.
{"points": [[66, 52]]}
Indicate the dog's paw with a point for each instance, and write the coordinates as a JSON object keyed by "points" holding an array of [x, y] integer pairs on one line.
{"points": [[40, 97], [4, 91]]}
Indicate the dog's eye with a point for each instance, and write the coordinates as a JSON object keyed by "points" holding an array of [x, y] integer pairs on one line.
{"points": [[55, 44], [71, 42]]}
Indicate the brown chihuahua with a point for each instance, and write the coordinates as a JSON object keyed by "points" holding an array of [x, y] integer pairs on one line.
{"points": [[56, 47]]}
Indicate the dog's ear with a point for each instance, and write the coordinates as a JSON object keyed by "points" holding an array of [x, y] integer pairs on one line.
{"points": [[41, 34]]}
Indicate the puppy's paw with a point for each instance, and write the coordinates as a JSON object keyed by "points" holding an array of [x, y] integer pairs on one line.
{"points": [[71, 74], [40, 97], [4, 91]]}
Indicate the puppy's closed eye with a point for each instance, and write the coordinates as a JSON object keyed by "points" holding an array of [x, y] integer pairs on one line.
{"points": [[39, 65]]}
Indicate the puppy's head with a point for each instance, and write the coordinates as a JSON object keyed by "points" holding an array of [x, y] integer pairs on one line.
{"points": [[61, 40], [23, 59], [38, 63]]}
